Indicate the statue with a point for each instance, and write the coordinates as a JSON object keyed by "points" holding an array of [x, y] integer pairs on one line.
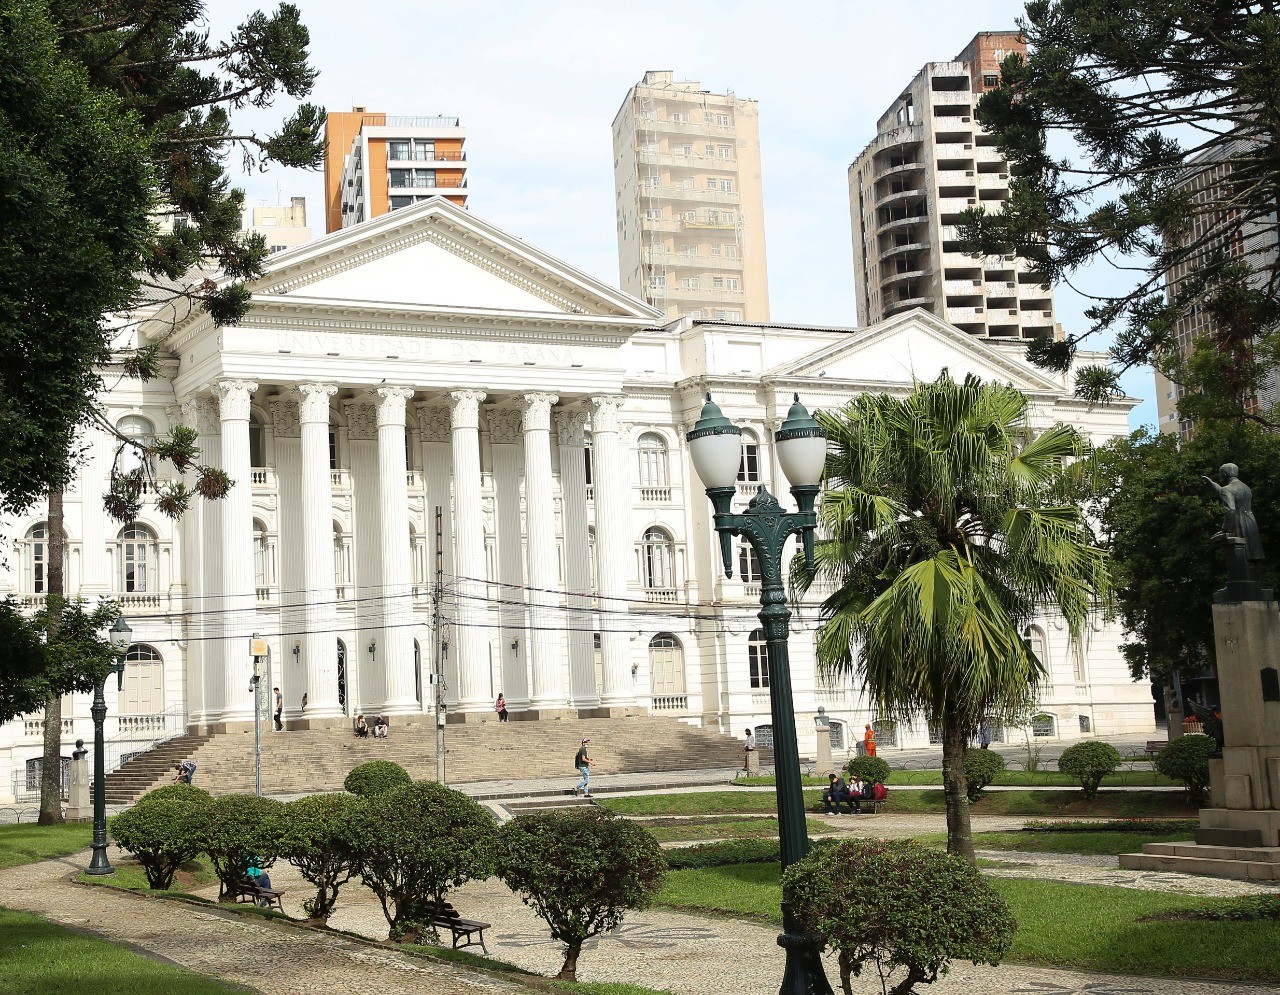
{"points": [[1240, 535]]}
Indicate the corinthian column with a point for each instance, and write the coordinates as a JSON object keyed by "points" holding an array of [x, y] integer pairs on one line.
{"points": [[577, 558], [397, 566], [239, 599], [610, 478], [473, 664], [319, 645], [540, 528]]}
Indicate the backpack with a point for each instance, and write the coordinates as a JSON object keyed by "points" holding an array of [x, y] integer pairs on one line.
{"points": [[879, 792]]}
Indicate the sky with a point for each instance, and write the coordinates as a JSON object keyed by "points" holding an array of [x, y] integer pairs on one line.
{"points": [[537, 84]]}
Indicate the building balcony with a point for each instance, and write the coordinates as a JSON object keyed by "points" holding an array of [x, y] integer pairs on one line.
{"points": [[953, 150], [703, 263], [699, 294], [950, 98], [954, 205], [414, 481], [340, 480], [453, 157], [893, 278], [906, 167], [901, 195], [705, 224], [263, 478], [902, 224], [267, 594], [694, 160], [659, 224], [670, 703], [661, 596], [897, 250], [962, 288], [956, 178], [34, 728], [900, 138], [695, 195], [426, 189], [966, 315], [906, 304], [655, 495], [686, 128]]}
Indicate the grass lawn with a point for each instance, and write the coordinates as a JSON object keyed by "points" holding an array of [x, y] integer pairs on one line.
{"points": [[714, 828], [39, 957], [131, 877], [1103, 844], [1041, 804], [28, 843], [607, 988], [1081, 926], [1009, 778]]}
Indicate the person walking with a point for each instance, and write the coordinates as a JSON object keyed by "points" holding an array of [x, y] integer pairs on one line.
{"points": [[748, 748], [500, 706], [279, 709], [582, 760], [869, 741]]}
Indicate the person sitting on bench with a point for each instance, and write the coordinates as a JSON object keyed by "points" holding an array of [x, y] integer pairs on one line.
{"points": [[836, 793]]}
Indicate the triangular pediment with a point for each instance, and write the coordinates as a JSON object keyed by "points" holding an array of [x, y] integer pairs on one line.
{"points": [[910, 347], [440, 256]]}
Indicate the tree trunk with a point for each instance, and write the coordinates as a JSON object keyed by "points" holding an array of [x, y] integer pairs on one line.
{"points": [[569, 972], [55, 592], [959, 834]]}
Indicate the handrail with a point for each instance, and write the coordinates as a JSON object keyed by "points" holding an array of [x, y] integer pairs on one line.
{"points": [[139, 733]]}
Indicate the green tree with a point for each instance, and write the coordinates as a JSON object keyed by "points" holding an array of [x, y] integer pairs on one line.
{"points": [[414, 844], [1172, 109], [115, 116], [981, 768], [376, 776], [944, 539], [163, 833], [898, 904], [1186, 759], [314, 843], [580, 870], [1089, 762], [237, 831]]}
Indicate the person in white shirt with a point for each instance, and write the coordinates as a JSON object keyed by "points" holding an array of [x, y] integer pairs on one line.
{"points": [[748, 749]]}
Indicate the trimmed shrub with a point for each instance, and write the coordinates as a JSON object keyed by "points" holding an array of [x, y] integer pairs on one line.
{"points": [[376, 776], [897, 903], [580, 870], [1186, 759], [163, 834], [1089, 762], [723, 853], [314, 843], [181, 791], [412, 845], [869, 769], [981, 767], [237, 831]]}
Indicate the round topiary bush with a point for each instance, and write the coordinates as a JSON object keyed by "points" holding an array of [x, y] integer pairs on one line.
{"points": [[376, 776], [868, 769], [1186, 759], [580, 870], [1089, 762], [981, 768], [163, 833], [237, 831], [898, 903], [412, 845], [314, 843], [181, 791]]}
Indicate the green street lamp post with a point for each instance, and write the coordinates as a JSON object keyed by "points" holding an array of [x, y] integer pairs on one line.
{"points": [[715, 446], [120, 637]]}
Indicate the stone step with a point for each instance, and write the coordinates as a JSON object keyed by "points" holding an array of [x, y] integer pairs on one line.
{"points": [[1240, 870], [1261, 854]]}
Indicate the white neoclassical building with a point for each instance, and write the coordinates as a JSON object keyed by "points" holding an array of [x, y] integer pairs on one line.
{"points": [[426, 395]]}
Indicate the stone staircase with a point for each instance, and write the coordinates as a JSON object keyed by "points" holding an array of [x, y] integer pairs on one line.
{"points": [[298, 762], [1245, 863]]}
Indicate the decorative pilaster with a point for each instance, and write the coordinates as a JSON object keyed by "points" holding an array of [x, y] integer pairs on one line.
{"points": [[239, 600], [580, 585], [504, 433], [396, 646], [201, 526], [319, 646], [611, 484], [543, 560], [473, 665]]}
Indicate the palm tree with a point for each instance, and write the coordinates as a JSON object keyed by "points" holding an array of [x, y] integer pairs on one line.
{"points": [[942, 541]]}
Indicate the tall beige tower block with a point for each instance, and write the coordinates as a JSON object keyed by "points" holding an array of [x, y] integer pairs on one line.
{"points": [[690, 201]]}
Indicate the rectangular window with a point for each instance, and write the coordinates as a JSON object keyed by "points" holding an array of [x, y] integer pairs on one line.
{"points": [[690, 250], [424, 177], [653, 214], [726, 152], [991, 79], [726, 186], [709, 150], [689, 283], [731, 283], [401, 177], [424, 149], [652, 180], [684, 150], [399, 202], [679, 117], [715, 249], [333, 451], [722, 120], [657, 281], [758, 660], [717, 283], [398, 151], [721, 314], [749, 468], [713, 183]]}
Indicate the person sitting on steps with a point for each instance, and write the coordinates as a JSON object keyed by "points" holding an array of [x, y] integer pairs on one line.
{"points": [[362, 727], [380, 727]]}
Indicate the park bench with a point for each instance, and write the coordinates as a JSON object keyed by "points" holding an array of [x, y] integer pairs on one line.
{"points": [[1154, 746], [249, 891], [447, 917]]}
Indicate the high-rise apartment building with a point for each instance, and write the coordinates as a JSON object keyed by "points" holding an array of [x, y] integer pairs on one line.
{"points": [[929, 161], [282, 227], [377, 163], [689, 200]]}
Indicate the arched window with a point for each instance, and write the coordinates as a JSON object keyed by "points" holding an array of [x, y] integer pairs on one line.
{"points": [[136, 560], [342, 676], [417, 671], [658, 558], [1043, 726], [597, 651], [35, 559], [758, 659], [586, 455], [142, 684], [591, 557], [651, 449], [1034, 637], [264, 559], [748, 563], [666, 664], [749, 468], [341, 559], [257, 441], [141, 431], [333, 449]]}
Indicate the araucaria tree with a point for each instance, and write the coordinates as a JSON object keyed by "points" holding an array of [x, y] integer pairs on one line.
{"points": [[1173, 111], [580, 870], [943, 541]]}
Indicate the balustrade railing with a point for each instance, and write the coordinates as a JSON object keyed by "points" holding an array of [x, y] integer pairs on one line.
{"points": [[34, 728], [142, 732], [655, 495], [662, 597], [670, 702]]}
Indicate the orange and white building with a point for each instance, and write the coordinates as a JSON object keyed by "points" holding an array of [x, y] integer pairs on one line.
{"points": [[376, 163]]}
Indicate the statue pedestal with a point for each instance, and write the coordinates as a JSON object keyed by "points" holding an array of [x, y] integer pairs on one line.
{"points": [[823, 764], [79, 806], [1239, 834]]}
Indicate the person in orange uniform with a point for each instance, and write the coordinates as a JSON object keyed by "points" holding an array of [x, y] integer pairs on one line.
{"points": [[869, 741]]}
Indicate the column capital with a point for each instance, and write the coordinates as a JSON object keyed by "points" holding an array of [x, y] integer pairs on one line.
{"points": [[201, 413], [433, 419], [536, 407], [313, 401], [391, 402], [504, 425], [604, 412], [571, 427], [233, 398], [284, 418], [362, 420], [464, 407]]}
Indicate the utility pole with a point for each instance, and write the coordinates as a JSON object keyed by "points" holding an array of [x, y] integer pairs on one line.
{"points": [[437, 661], [258, 649]]}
